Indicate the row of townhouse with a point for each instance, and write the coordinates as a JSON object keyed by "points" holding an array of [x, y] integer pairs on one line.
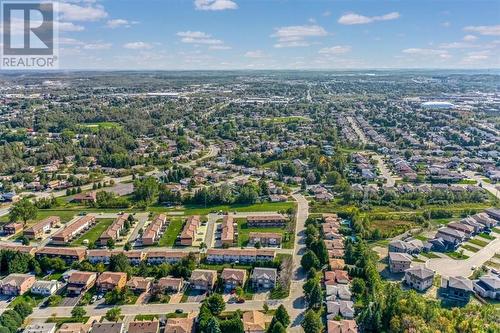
{"points": [[114, 230], [39, 229], [228, 231], [266, 239], [336, 280], [266, 221], [154, 230], [188, 234], [331, 226], [247, 255], [18, 284], [75, 229], [455, 233], [136, 256]]}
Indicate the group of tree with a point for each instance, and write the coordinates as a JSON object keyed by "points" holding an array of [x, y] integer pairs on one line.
{"points": [[208, 321], [12, 319]]}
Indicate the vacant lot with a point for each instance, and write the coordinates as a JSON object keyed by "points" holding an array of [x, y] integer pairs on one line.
{"points": [[94, 233]]}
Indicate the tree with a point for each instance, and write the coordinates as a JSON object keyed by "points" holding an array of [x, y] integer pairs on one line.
{"points": [[216, 304], [110, 243], [113, 314], [213, 326], [23, 308], [312, 322], [24, 240], [309, 260], [319, 248], [315, 296], [23, 210], [4, 329], [127, 246], [278, 328], [78, 312], [54, 300], [233, 325], [204, 316], [282, 316], [146, 190], [119, 263], [358, 286]]}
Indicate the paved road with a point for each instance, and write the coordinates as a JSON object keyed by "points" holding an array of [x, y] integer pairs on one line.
{"points": [[295, 303], [209, 235], [489, 187], [357, 130], [390, 181], [451, 267], [141, 220]]}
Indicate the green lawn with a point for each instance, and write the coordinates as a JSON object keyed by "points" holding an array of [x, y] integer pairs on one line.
{"points": [[65, 215], [32, 299], [201, 210], [457, 255], [173, 230], [94, 233], [244, 232], [470, 248], [496, 230], [141, 317], [63, 320], [430, 255], [486, 236], [220, 267], [478, 242]]}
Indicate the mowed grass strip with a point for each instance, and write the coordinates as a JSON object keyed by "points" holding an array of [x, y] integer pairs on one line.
{"points": [[486, 236], [65, 215], [170, 235], [93, 233], [244, 233], [470, 248], [478, 242]]}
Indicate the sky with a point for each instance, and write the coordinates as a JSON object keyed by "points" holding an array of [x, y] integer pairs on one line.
{"points": [[278, 34]]}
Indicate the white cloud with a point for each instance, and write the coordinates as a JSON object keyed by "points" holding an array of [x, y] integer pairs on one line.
{"points": [[201, 38], [219, 47], [427, 52], [337, 49], [68, 26], [327, 13], [353, 18], [475, 57], [72, 12], [119, 23], [457, 45], [97, 46], [294, 36], [469, 38], [215, 4], [446, 24], [257, 54], [138, 46], [487, 30]]}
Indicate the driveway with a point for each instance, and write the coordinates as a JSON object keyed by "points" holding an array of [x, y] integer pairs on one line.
{"points": [[450, 267]]}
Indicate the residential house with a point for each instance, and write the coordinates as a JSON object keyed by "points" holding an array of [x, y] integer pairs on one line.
{"points": [[336, 264], [99, 256], [45, 288], [188, 234], [419, 278], [146, 326], [247, 255], [468, 230], [334, 244], [64, 236], [227, 234], [79, 282], [167, 256], [342, 326], [114, 229], [12, 228], [255, 321], [18, 248], [108, 281], [107, 328], [170, 284], [339, 307], [40, 328], [399, 262], [265, 238], [181, 325], [488, 286], [84, 198], [16, 284], [338, 292], [69, 255], [266, 221], [411, 246], [203, 279], [135, 256], [139, 284], [154, 230], [38, 230], [457, 288], [264, 278], [452, 237], [233, 278]]}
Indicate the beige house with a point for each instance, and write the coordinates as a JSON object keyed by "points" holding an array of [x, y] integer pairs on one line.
{"points": [[255, 322], [203, 279], [16, 284]]}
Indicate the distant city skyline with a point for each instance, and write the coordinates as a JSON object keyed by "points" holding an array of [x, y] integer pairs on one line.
{"points": [[244, 34]]}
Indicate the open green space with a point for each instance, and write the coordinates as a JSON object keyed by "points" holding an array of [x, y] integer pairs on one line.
{"points": [[286, 120], [470, 248], [100, 125], [93, 233], [244, 233], [170, 235], [65, 215], [201, 210], [31, 299], [390, 227]]}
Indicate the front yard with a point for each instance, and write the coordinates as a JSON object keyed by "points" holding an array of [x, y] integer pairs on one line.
{"points": [[93, 234]]}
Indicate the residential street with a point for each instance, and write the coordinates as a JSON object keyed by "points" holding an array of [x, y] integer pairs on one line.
{"points": [[295, 303]]}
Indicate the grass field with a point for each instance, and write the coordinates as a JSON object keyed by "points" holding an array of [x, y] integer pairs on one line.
{"points": [[201, 210], [94, 233], [244, 232], [170, 235], [32, 299], [391, 226], [65, 215]]}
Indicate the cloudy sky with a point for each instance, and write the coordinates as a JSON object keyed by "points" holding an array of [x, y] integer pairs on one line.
{"points": [[278, 34]]}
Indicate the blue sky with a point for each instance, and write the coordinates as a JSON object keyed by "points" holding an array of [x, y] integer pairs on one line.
{"points": [[278, 34]]}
